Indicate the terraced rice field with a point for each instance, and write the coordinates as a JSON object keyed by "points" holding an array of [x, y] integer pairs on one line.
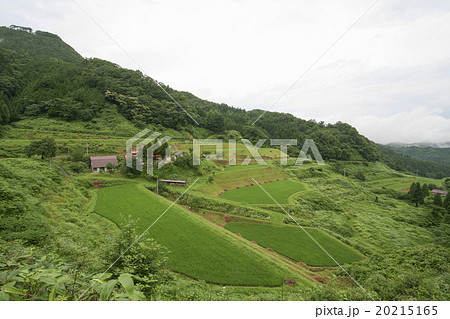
{"points": [[293, 242], [279, 190], [196, 249]]}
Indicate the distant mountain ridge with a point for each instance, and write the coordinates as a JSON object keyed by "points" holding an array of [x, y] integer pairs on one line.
{"points": [[423, 144], [426, 153]]}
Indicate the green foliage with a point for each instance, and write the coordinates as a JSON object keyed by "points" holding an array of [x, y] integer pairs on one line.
{"points": [[415, 273], [214, 121], [5, 116], [28, 274], [77, 167], [39, 45], [437, 200], [405, 163], [110, 167], [425, 190], [447, 183], [446, 203], [360, 176], [233, 134], [21, 216], [416, 194], [253, 133], [432, 154], [46, 148], [145, 259], [77, 155]]}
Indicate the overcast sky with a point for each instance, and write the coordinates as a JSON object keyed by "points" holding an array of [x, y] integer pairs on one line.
{"points": [[389, 76]]}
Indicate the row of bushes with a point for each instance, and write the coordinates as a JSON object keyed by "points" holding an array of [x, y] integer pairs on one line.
{"points": [[196, 201]]}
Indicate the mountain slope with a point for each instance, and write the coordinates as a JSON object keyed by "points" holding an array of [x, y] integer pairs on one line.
{"points": [[433, 154], [44, 86], [44, 77], [401, 162], [39, 45]]}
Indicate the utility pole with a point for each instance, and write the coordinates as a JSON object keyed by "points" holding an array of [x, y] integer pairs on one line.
{"points": [[87, 147]]}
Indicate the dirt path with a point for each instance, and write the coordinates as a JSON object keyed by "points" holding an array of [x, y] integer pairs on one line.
{"points": [[61, 169]]}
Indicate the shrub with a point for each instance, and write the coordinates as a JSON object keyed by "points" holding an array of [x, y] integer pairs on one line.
{"points": [[77, 167], [290, 282]]}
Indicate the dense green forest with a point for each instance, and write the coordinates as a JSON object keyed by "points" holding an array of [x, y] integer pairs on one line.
{"points": [[400, 162], [434, 154], [40, 75]]}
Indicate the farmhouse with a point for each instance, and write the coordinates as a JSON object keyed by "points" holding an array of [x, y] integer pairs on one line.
{"points": [[439, 192], [99, 163]]}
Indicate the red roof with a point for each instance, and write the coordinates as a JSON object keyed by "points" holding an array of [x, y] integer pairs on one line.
{"points": [[439, 191]]}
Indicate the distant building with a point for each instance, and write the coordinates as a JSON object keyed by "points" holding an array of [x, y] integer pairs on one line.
{"points": [[99, 163], [173, 182], [439, 192], [177, 154]]}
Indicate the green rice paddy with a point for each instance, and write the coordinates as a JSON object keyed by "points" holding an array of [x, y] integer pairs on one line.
{"points": [[196, 249], [293, 242], [279, 190]]}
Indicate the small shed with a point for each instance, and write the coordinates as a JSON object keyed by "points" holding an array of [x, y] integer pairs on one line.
{"points": [[173, 182], [439, 192], [99, 163]]}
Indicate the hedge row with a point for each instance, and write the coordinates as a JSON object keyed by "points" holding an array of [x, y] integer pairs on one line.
{"points": [[196, 201]]}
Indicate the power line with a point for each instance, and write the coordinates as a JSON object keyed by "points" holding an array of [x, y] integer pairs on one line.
{"points": [[135, 62], [316, 61]]}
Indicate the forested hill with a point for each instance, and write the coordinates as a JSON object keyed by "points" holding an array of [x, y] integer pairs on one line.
{"points": [[40, 75], [38, 44], [434, 154], [402, 162]]}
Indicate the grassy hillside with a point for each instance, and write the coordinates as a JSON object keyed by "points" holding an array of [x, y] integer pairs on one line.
{"points": [[39, 207], [368, 216]]}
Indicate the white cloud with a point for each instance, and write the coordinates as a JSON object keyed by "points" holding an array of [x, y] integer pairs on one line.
{"points": [[395, 61], [418, 125]]}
